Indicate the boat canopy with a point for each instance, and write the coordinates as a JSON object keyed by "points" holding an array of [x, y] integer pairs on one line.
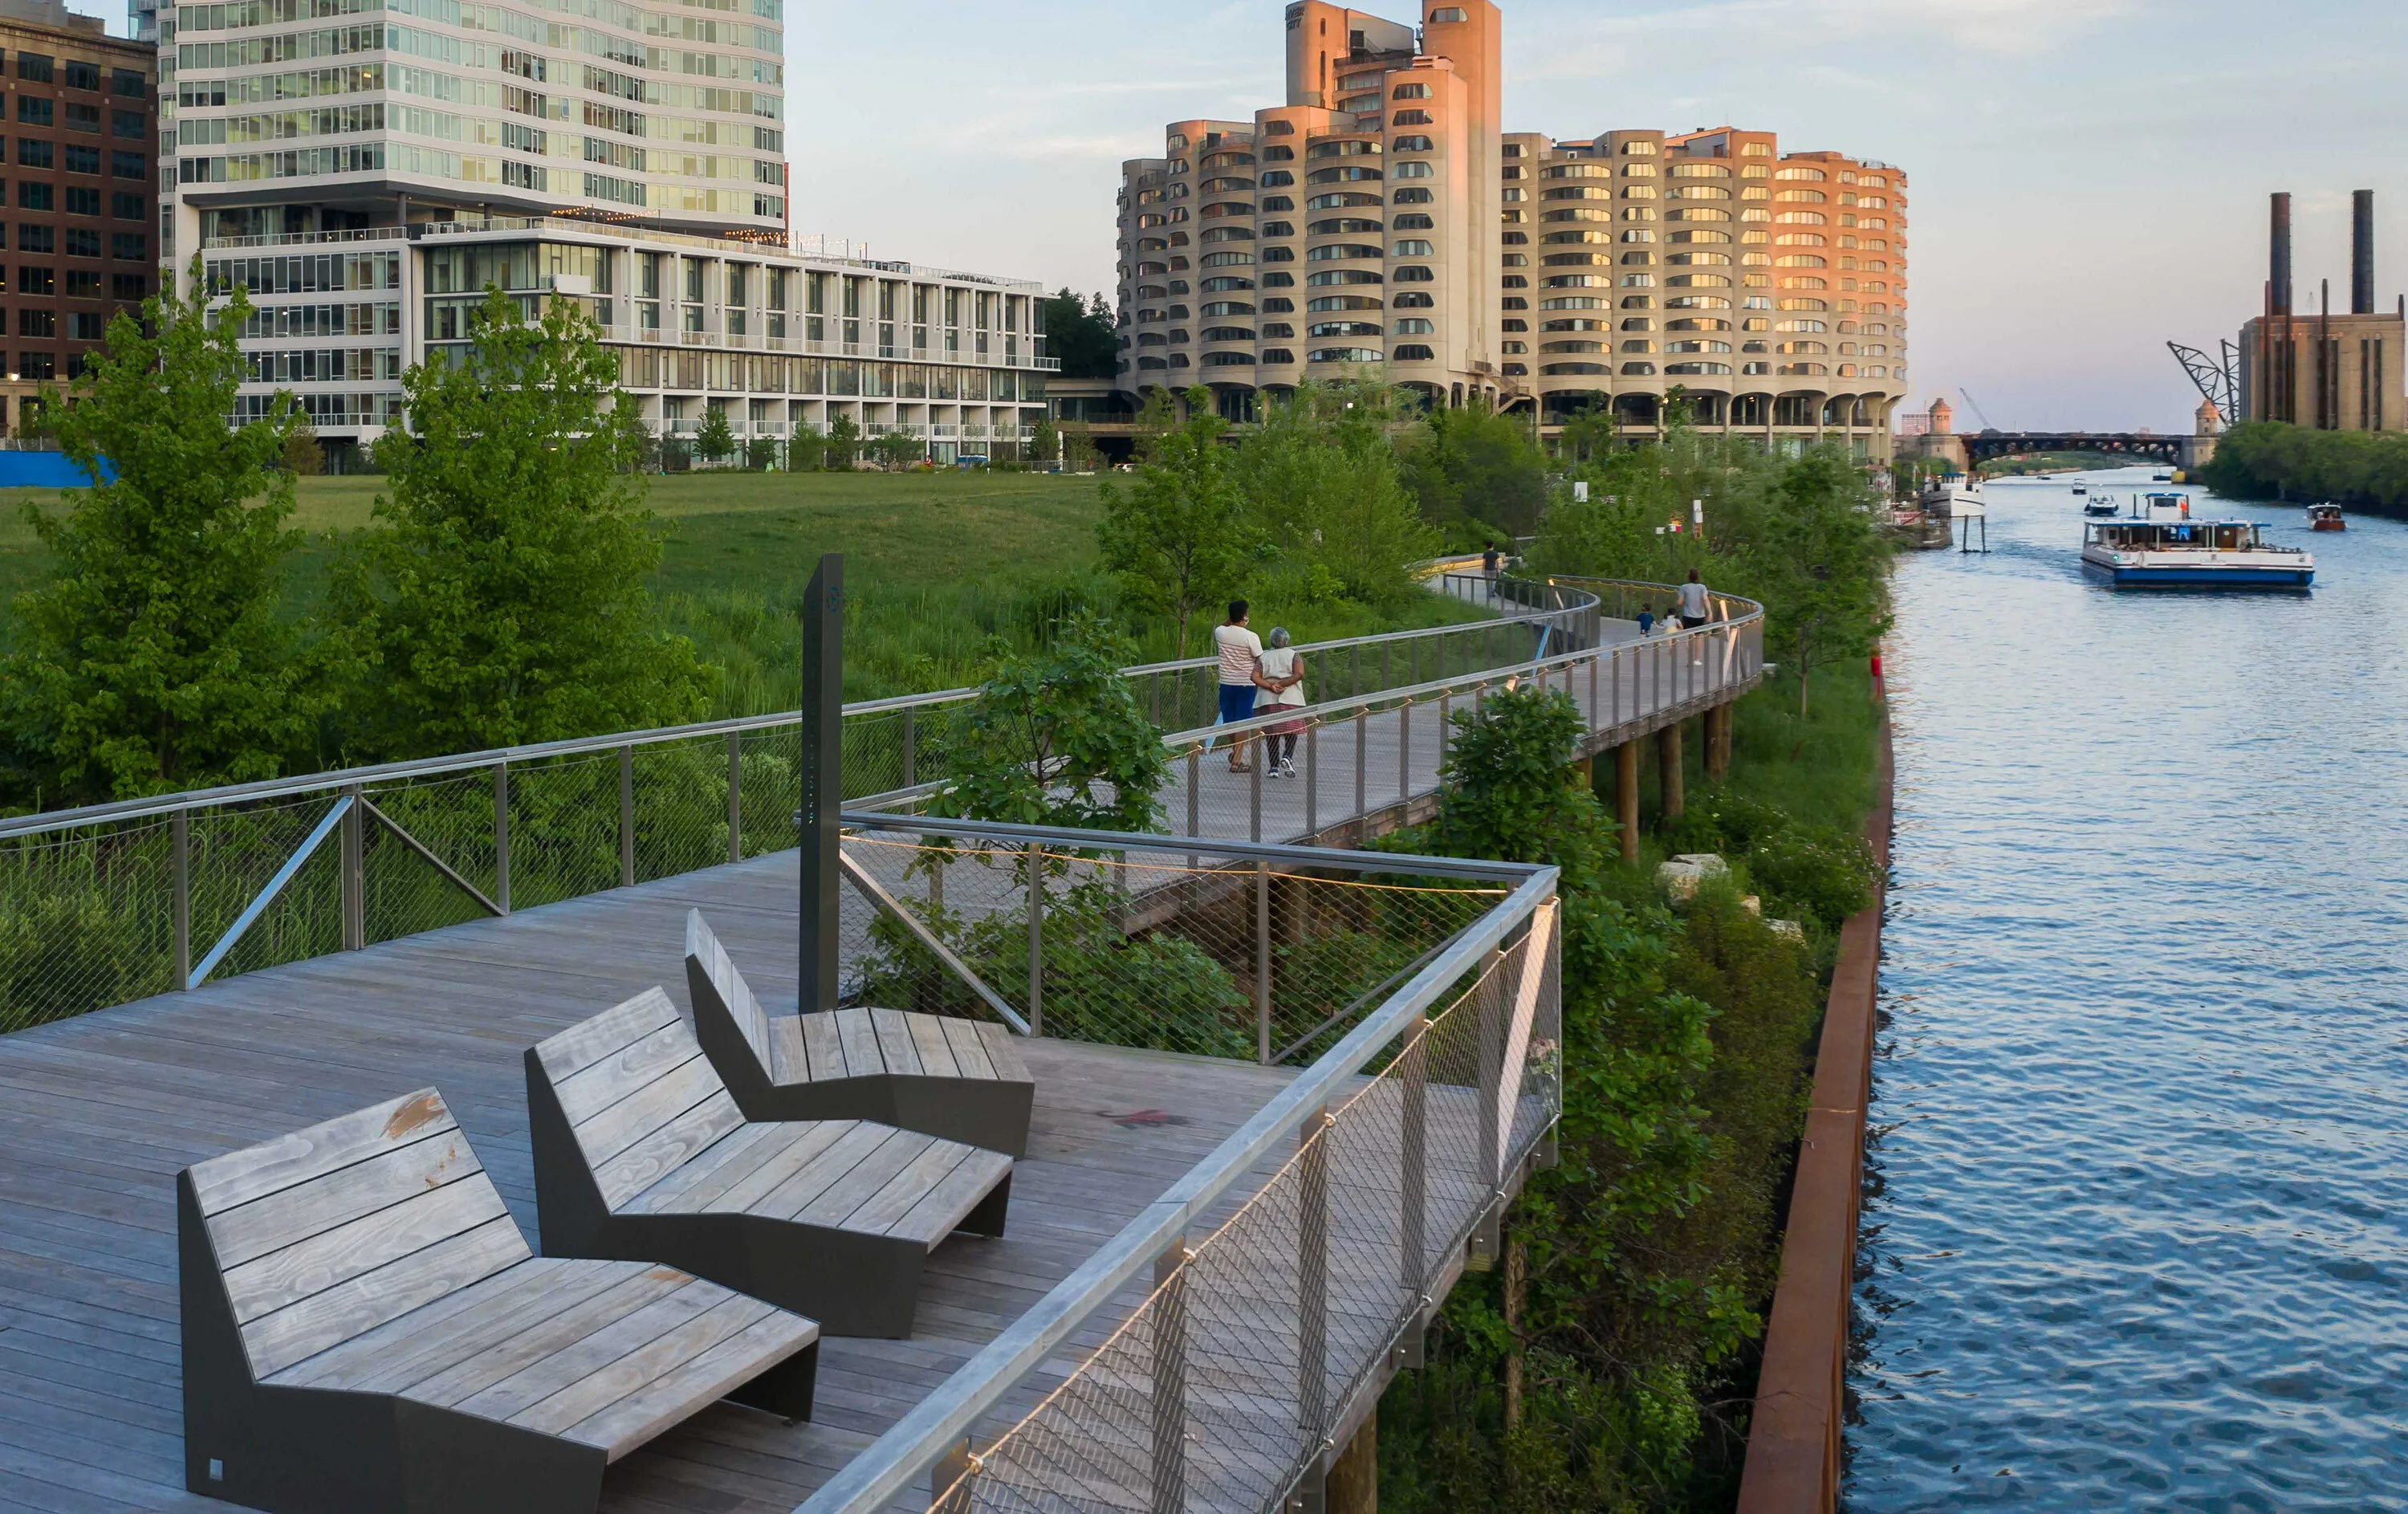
{"points": [[2177, 536]]}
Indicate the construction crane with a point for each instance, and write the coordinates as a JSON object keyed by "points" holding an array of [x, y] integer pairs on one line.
{"points": [[2219, 383], [1976, 405]]}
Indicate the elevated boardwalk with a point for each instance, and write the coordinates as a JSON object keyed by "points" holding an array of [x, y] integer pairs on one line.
{"points": [[97, 1113]]}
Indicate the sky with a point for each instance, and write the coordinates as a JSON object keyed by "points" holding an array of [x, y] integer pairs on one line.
{"points": [[2088, 179]]}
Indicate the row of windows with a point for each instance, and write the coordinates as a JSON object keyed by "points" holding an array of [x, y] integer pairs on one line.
{"points": [[336, 41], [76, 241], [33, 152], [381, 318], [305, 275], [34, 110], [80, 74], [325, 364], [34, 194]]}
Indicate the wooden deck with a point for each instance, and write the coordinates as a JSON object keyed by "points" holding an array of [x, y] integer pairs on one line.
{"points": [[97, 1114]]}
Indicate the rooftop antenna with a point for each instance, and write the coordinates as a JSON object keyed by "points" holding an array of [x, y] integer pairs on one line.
{"points": [[822, 781]]}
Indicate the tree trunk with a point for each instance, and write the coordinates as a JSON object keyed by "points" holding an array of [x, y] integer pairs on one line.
{"points": [[1517, 1262]]}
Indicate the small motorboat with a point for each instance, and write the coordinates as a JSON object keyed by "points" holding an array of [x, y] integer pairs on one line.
{"points": [[2161, 478], [2099, 506], [2080, 489], [2326, 517]]}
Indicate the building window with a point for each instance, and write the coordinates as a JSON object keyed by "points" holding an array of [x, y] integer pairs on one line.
{"points": [[82, 242], [34, 111], [1416, 325], [125, 123], [125, 166], [87, 326], [82, 160], [35, 239], [130, 246], [34, 66], [1415, 351], [29, 153], [128, 82], [1414, 169], [1402, 92], [82, 118], [36, 365], [127, 207], [82, 201], [37, 323], [1412, 222], [1413, 144]]}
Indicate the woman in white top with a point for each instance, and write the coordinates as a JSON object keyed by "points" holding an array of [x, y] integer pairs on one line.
{"points": [[1278, 684]]}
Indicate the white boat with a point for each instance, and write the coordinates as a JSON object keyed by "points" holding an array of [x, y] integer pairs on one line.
{"points": [[2159, 543], [2080, 489]]}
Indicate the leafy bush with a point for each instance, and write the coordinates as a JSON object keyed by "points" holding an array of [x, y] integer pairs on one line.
{"points": [[1809, 873]]}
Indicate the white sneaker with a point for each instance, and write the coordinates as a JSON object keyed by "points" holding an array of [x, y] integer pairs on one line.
{"points": [[1270, 770], [1287, 767]]}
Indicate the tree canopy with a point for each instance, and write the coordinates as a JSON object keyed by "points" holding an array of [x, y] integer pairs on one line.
{"points": [[1177, 537], [154, 658], [1055, 738], [1082, 336], [500, 596]]}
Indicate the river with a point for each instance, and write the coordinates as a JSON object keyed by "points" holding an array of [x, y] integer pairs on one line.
{"points": [[2134, 1238]]}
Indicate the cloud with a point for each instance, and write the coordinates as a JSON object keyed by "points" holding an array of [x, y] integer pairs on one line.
{"points": [[1562, 47]]}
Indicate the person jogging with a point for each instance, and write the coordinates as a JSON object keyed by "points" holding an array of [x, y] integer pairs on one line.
{"points": [[1694, 606], [1241, 656]]}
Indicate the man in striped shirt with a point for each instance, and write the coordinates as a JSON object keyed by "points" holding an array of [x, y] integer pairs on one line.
{"points": [[1241, 653]]}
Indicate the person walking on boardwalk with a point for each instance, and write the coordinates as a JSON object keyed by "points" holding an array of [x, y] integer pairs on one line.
{"points": [[1694, 607], [1241, 655], [1489, 563], [1280, 686]]}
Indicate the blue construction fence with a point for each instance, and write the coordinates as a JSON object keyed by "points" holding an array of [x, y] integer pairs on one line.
{"points": [[46, 471]]}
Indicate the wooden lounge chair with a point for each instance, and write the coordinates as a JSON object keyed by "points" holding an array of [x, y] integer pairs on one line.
{"points": [[365, 1330], [961, 1079], [640, 1152]]}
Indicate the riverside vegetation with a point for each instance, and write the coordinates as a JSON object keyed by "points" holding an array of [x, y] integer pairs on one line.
{"points": [[2275, 460], [1607, 1366]]}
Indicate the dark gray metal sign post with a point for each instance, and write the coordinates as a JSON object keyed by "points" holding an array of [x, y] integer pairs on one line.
{"points": [[823, 774]]}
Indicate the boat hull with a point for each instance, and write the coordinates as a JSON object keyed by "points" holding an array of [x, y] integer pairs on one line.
{"points": [[2220, 578], [2329, 526]]}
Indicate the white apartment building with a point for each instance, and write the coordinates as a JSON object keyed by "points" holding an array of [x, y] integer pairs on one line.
{"points": [[1381, 220], [365, 169]]}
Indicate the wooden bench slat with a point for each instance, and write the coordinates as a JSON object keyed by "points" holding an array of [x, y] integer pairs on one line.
{"points": [[814, 1178], [836, 1204], [1003, 1052], [940, 1212], [254, 1172], [626, 1123], [860, 1040], [276, 1341], [671, 1398], [306, 1269], [897, 1196], [310, 1207], [651, 1362], [624, 1072], [895, 1043], [789, 1059], [969, 1049], [752, 1023], [936, 1049], [613, 1334], [827, 1048], [661, 1152], [632, 1287], [723, 1162], [588, 1042], [800, 1149], [400, 1351]]}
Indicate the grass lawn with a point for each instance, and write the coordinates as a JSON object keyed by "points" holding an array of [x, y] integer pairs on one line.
{"points": [[937, 565]]}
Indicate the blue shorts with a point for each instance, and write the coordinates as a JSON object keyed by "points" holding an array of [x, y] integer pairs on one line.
{"points": [[1237, 702]]}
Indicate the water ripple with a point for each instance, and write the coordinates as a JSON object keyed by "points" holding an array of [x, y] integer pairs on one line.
{"points": [[2134, 1233]]}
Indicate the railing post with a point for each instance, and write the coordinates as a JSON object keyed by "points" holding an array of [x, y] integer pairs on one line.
{"points": [[354, 888], [1412, 1083], [1194, 792], [1312, 782], [1033, 857], [1263, 962], [911, 745], [1313, 1277], [1404, 753], [1491, 1003], [1170, 1380], [1594, 657], [502, 836], [1355, 679], [1613, 683], [180, 833], [1362, 744], [1255, 789], [627, 816], [736, 797], [953, 1482]]}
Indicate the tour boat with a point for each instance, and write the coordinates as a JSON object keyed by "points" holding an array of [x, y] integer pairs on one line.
{"points": [[2325, 518], [2159, 543]]}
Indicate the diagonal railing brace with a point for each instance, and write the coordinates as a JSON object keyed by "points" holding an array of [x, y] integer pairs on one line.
{"points": [[258, 906]]}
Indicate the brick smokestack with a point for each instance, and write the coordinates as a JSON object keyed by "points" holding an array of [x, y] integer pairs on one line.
{"points": [[2361, 253]]}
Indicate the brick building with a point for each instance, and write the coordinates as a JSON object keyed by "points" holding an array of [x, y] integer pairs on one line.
{"points": [[76, 204]]}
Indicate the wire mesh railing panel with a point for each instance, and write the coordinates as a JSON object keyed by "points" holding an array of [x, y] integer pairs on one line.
{"points": [[1221, 1386], [679, 807], [1245, 959], [236, 852], [565, 828], [84, 921], [454, 817]]}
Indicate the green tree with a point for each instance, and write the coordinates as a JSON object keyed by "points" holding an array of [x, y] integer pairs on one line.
{"points": [[843, 443], [760, 454], [1824, 569], [154, 658], [715, 439], [893, 448], [1045, 442], [305, 457], [1082, 336], [1321, 479], [806, 450], [501, 592], [1469, 465], [1177, 537], [1055, 738]]}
